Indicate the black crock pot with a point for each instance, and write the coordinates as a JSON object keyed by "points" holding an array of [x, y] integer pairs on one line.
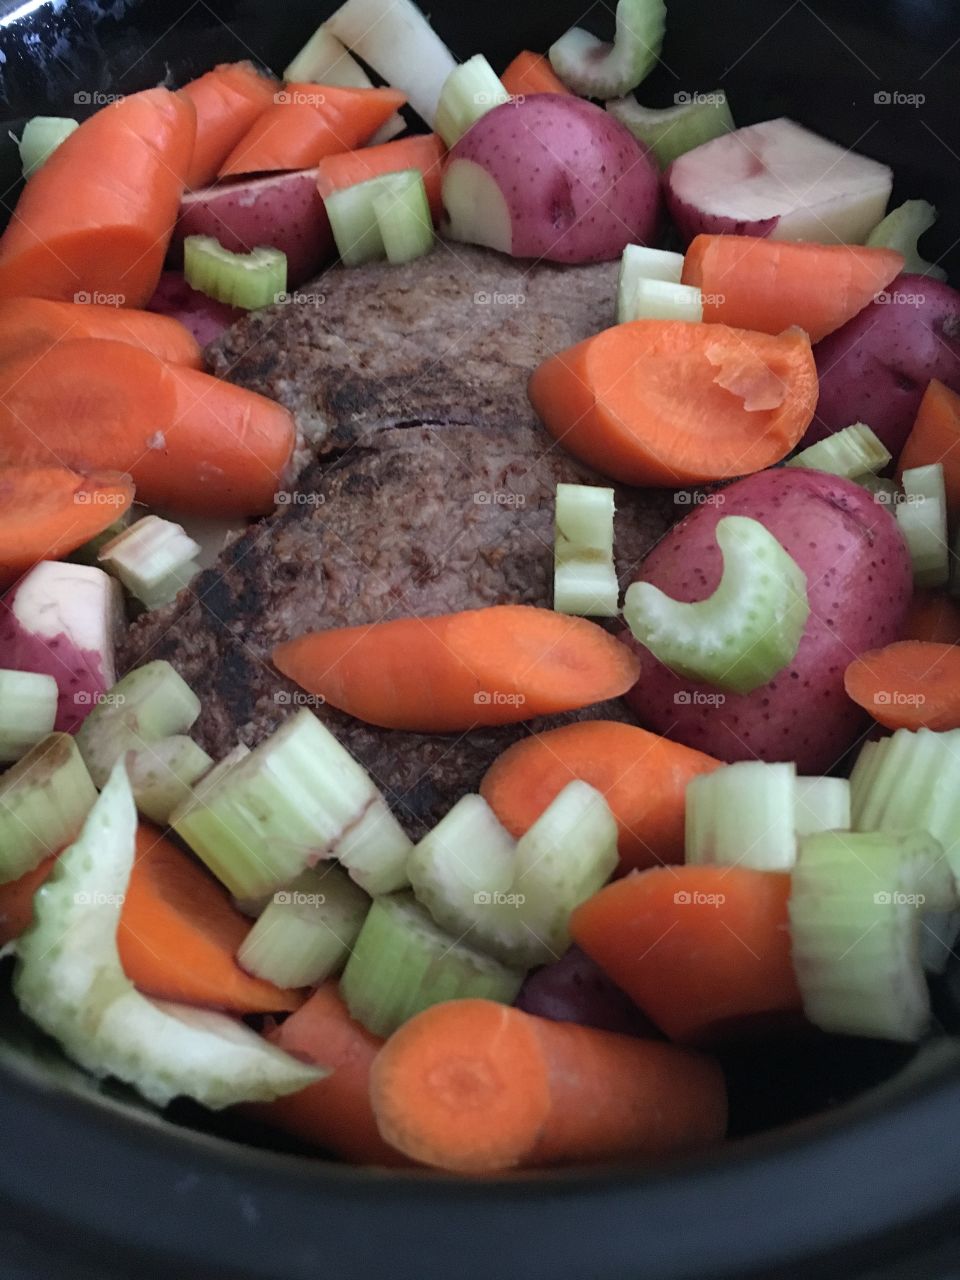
{"points": [[860, 1175]]}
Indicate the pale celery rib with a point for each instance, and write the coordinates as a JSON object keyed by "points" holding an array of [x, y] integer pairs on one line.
{"points": [[153, 558], [901, 229], [852, 453], [40, 138], [585, 578], [44, 799], [28, 711], [673, 131], [922, 517], [247, 280], [746, 631], [469, 92], [387, 216], [594, 69]]}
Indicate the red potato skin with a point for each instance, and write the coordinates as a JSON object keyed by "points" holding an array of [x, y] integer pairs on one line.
{"points": [[859, 583], [876, 368], [575, 989], [692, 222], [204, 317]]}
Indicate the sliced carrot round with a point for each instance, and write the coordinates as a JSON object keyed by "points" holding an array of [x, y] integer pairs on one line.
{"points": [[914, 684]]}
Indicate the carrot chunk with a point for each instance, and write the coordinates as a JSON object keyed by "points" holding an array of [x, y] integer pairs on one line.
{"points": [[935, 437], [228, 100], [420, 151], [35, 324], [531, 73], [913, 684]]}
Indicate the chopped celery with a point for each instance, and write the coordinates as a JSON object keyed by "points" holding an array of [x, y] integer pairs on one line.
{"points": [[855, 918], [44, 799], [469, 91], [163, 775], [305, 933], [639, 263], [70, 981], [853, 452], [823, 804], [743, 815], [742, 635], [660, 300], [145, 706], [515, 898], [248, 280], [41, 137], [28, 711], [585, 579], [292, 801], [595, 69], [353, 221], [402, 963], [901, 229], [672, 131], [153, 559], [325, 60], [403, 216], [89, 553], [922, 517]]}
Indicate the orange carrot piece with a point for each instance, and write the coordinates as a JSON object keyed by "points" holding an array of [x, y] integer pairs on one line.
{"points": [[307, 122], [643, 776], [668, 403], [179, 935], [769, 285], [97, 217], [449, 673], [933, 616], [531, 73], [16, 900], [191, 442], [474, 1086], [699, 949], [935, 437], [420, 151], [335, 1113], [47, 512], [31, 324], [228, 100], [913, 684]]}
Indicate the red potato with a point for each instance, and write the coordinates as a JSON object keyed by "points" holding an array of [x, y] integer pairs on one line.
{"points": [[551, 176], [777, 179], [63, 620], [204, 317], [575, 989], [876, 368], [283, 210], [859, 584]]}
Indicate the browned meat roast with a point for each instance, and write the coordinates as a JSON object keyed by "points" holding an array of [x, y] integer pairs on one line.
{"points": [[415, 519]]}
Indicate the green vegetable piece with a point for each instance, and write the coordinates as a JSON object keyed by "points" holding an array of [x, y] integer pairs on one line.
{"points": [[249, 280], [594, 69], [673, 131]]}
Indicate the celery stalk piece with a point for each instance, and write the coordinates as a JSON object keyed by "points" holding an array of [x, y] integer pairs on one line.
{"points": [[660, 300], [353, 220], [585, 578], [922, 518], [70, 981], [249, 280], [469, 92], [396, 40], [586, 588], [259, 823], [28, 711], [163, 775], [823, 804], [41, 137], [402, 963], [853, 452], [743, 815], [672, 131], [742, 635], [855, 918], [375, 850], [44, 799], [901, 229], [306, 931], [594, 69], [89, 553], [146, 705], [639, 263], [515, 898], [153, 559], [403, 216]]}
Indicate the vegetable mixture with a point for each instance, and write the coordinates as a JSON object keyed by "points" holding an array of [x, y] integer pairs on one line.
{"points": [[769, 830]]}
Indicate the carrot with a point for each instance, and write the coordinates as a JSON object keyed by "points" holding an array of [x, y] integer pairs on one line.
{"points": [[531, 73], [913, 684], [307, 122], [669, 403], [228, 100], [450, 673], [335, 1113], [935, 437], [420, 151], [933, 616], [96, 218], [769, 285], [179, 935], [191, 442], [31, 324], [474, 1086], [697, 948], [643, 776], [16, 900], [47, 512]]}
